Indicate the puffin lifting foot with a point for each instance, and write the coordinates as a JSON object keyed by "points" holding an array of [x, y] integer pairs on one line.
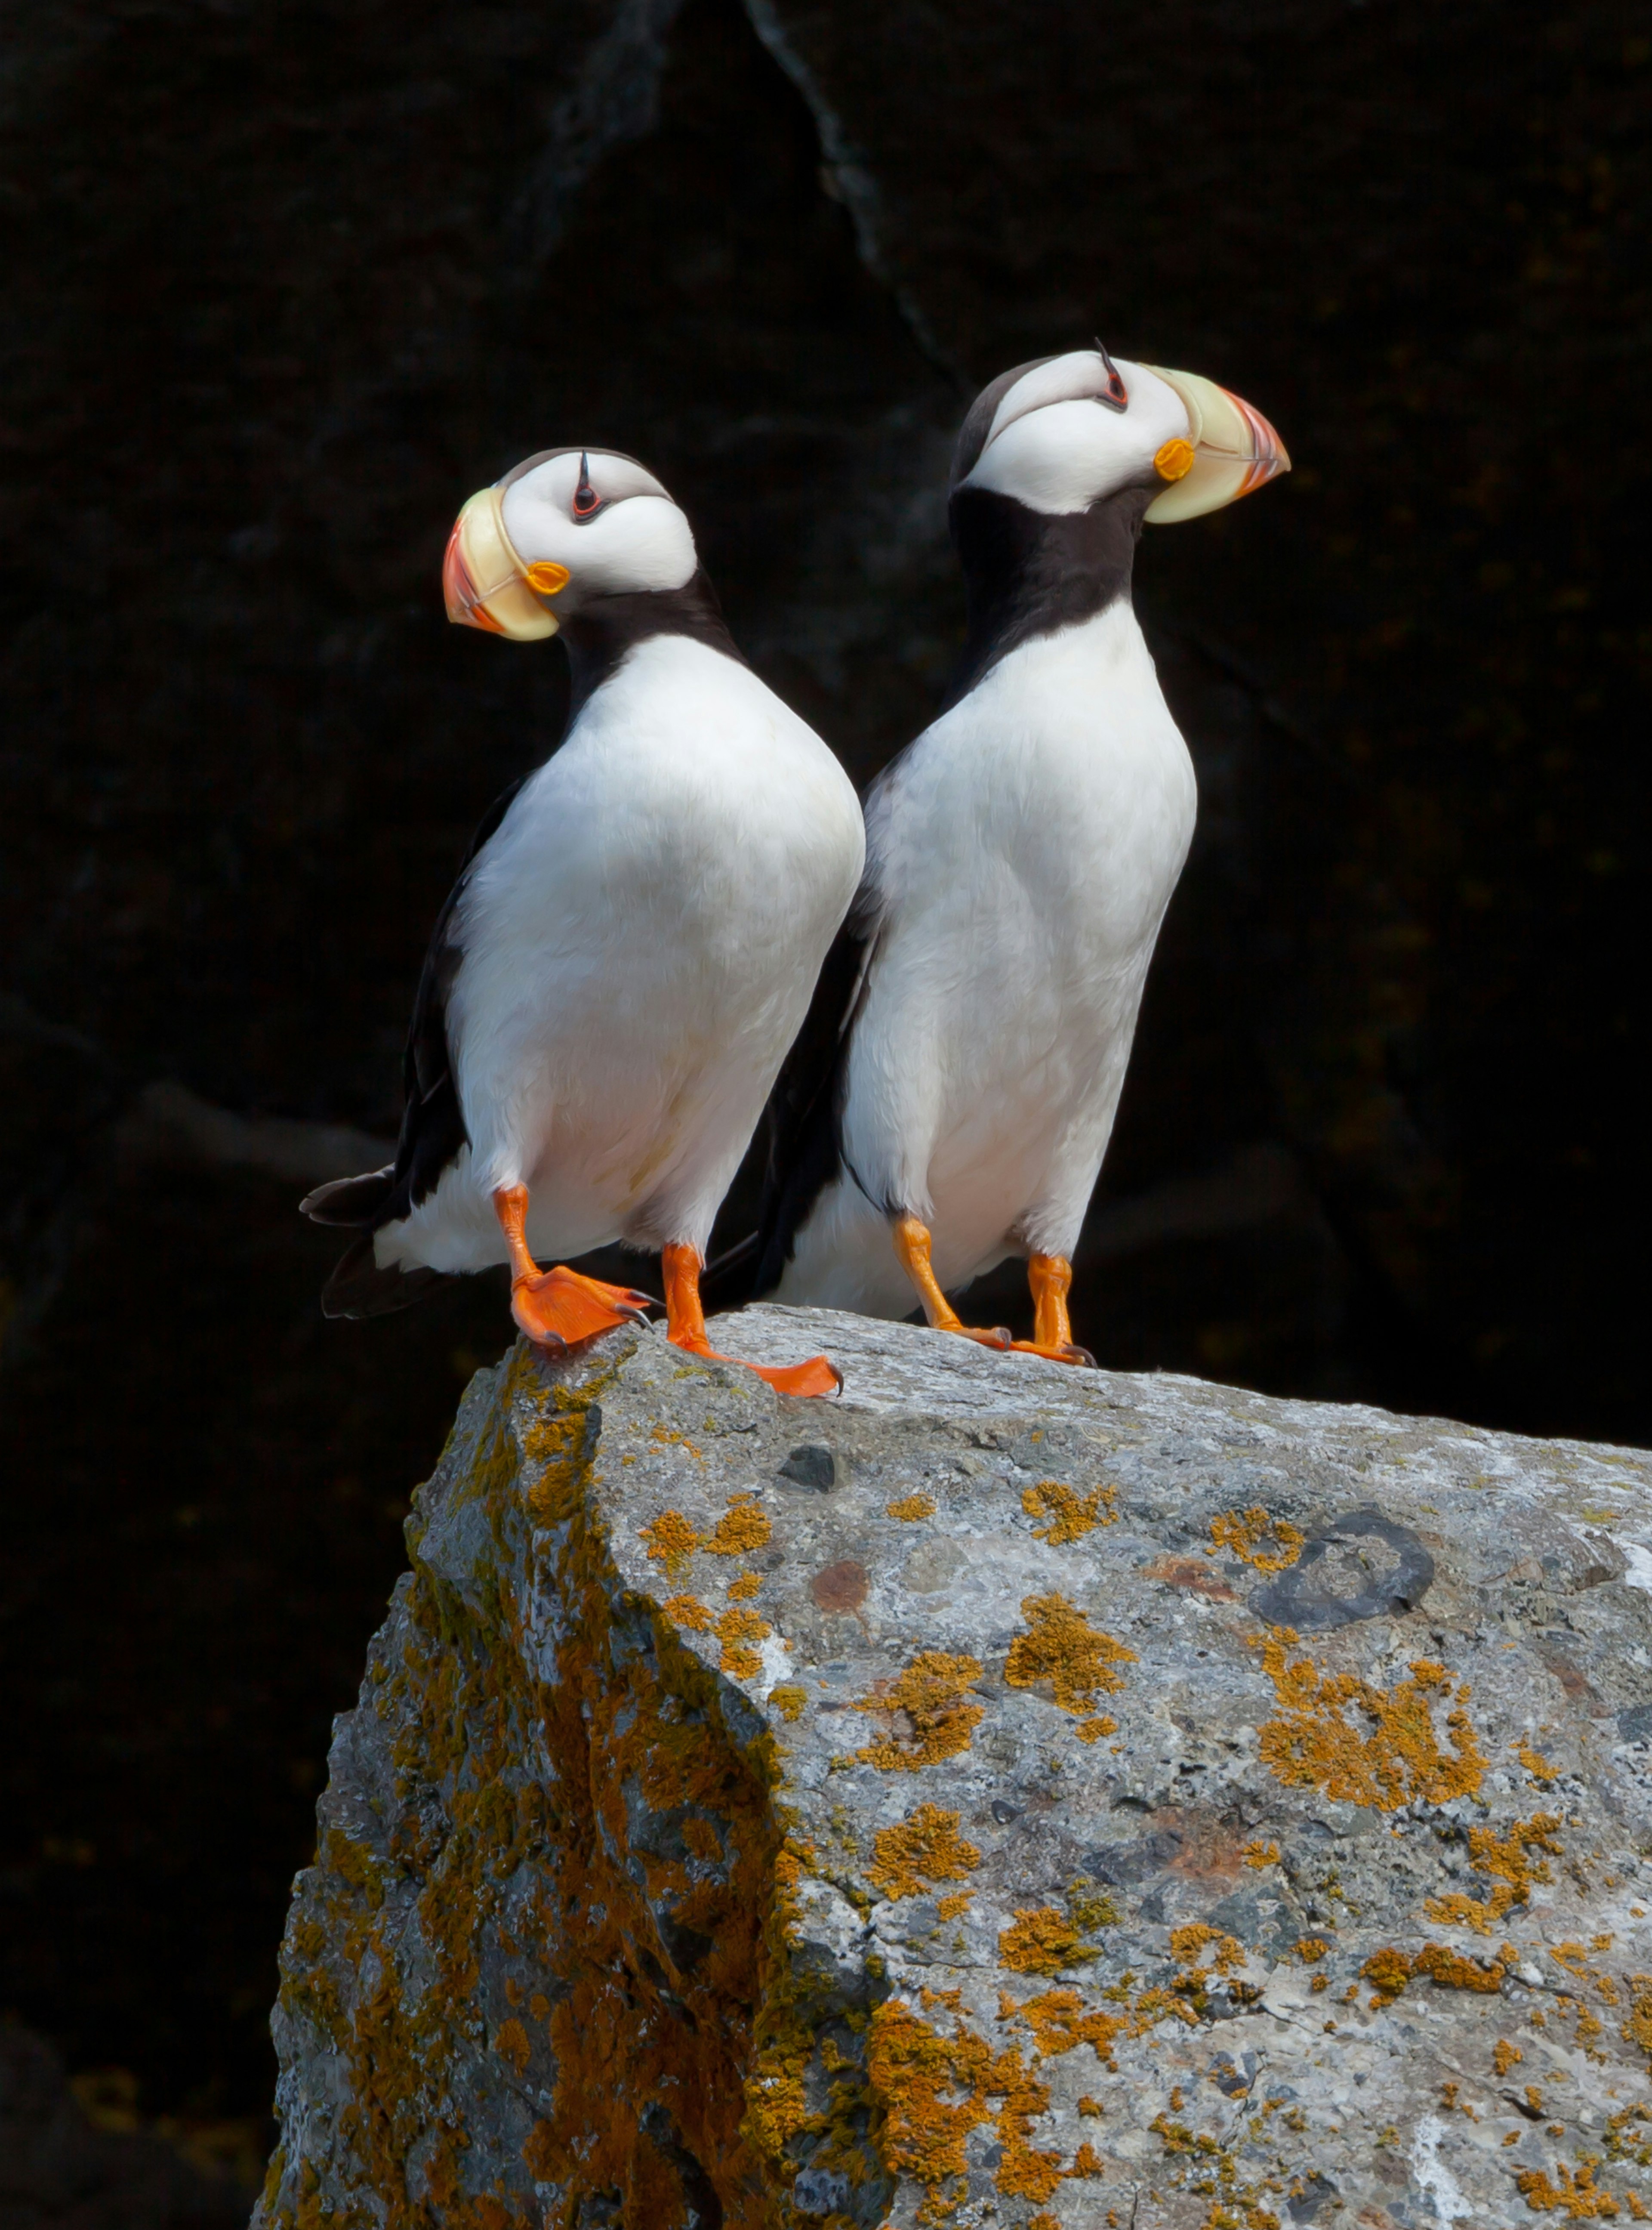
{"points": [[955, 1085], [912, 1245], [632, 943], [685, 1328]]}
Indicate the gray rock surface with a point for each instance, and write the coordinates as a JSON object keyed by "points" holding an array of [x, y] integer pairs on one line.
{"points": [[1010, 1795]]}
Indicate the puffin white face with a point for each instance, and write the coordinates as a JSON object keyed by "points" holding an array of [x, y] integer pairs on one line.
{"points": [[1060, 435], [568, 524]]}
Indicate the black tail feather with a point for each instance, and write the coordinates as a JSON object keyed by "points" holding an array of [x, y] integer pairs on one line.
{"points": [[359, 1287], [350, 1203]]}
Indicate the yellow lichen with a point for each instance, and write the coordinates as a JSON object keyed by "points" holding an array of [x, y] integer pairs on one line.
{"points": [[1189, 1944], [1577, 2196], [743, 1588], [1259, 1854], [1070, 1515], [1311, 1947], [1389, 1971], [672, 1540], [736, 1630], [949, 1908], [1041, 1940], [928, 1696], [920, 1850], [687, 1613], [789, 1700], [1506, 2056], [1504, 1858], [911, 1507], [1242, 1531], [1534, 1762], [1637, 2025], [1061, 1647], [1092, 1730], [1394, 1760], [742, 1529]]}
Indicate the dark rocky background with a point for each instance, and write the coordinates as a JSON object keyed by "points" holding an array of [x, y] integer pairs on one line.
{"points": [[287, 283]]}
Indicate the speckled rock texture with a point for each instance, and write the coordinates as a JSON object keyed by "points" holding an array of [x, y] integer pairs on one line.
{"points": [[1010, 1795]]}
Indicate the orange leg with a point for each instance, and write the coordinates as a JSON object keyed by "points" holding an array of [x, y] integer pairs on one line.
{"points": [[685, 1328], [1050, 1276], [912, 1245], [558, 1308]]}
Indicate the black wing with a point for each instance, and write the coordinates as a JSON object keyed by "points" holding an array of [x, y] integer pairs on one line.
{"points": [[803, 1119], [433, 1128]]}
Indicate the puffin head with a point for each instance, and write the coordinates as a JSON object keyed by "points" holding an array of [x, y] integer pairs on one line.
{"points": [[566, 526], [1070, 431]]}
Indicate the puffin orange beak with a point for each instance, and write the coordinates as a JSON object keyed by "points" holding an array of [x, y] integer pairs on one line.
{"points": [[484, 582], [1231, 451]]}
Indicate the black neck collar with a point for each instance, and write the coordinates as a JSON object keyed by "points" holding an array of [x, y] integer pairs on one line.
{"points": [[599, 634], [1027, 573]]}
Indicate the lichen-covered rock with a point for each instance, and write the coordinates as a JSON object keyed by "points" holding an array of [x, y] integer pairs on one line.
{"points": [[1012, 1794]]}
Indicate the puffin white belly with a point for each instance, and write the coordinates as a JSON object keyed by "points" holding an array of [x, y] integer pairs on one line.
{"points": [[638, 942], [1023, 854]]}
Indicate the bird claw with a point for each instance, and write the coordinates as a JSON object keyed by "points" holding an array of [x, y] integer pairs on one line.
{"points": [[1066, 1351]]}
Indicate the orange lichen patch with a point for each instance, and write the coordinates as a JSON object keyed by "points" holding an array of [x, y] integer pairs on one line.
{"points": [[1086, 2161], [960, 1902], [742, 1529], [932, 2090], [672, 1540], [1243, 1532], [1090, 2106], [743, 1588], [1577, 2196], [1258, 1855], [1503, 1857], [1506, 2056], [1389, 1971], [736, 1630], [1534, 1762], [1308, 1948], [701, 1840], [1060, 2024], [688, 1614], [1062, 1648], [1041, 1940], [911, 1507], [920, 1850], [1189, 1944], [928, 1697], [1070, 1516], [1092, 1730], [629, 1724], [789, 1700], [1394, 1759], [1637, 2028]]}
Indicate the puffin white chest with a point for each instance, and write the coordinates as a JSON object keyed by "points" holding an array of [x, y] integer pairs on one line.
{"points": [[1044, 822], [1025, 850]]}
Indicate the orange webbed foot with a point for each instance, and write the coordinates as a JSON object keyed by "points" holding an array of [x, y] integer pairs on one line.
{"points": [[817, 1378], [682, 1267], [559, 1308]]}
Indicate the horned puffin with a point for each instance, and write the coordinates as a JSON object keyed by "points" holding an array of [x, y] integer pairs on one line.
{"points": [[632, 942], [950, 1099]]}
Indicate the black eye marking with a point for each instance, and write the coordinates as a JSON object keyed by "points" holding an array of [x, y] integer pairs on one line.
{"points": [[1117, 397], [587, 501]]}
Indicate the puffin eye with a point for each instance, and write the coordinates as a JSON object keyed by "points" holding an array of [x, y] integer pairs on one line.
{"points": [[1117, 397], [587, 501]]}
